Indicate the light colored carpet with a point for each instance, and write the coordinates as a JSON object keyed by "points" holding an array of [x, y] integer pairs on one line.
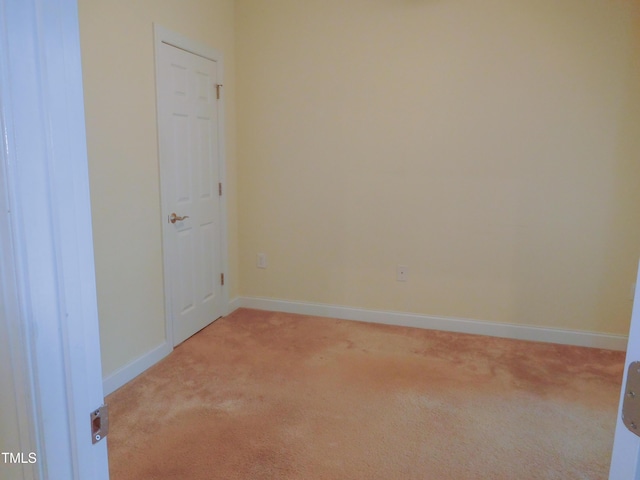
{"points": [[261, 395]]}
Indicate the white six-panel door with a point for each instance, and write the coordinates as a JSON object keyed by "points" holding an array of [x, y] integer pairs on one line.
{"points": [[191, 189]]}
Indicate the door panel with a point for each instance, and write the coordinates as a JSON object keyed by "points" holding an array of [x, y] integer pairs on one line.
{"points": [[189, 158], [208, 280]]}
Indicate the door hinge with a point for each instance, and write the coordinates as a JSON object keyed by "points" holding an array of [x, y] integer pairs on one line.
{"points": [[218, 86], [222, 279], [220, 189], [99, 423]]}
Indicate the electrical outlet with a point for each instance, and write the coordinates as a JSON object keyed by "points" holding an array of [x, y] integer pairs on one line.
{"points": [[262, 260], [401, 273]]}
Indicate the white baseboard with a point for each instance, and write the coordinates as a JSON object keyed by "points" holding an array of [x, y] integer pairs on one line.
{"points": [[127, 373], [235, 304], [449, 324]]}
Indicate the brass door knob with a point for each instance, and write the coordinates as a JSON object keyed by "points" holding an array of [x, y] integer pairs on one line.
{"points": [[173, 218]]}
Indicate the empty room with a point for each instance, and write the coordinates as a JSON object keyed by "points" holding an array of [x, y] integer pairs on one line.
{"points": [[363, 239]]}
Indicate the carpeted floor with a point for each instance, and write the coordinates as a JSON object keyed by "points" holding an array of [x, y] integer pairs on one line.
{"points": [[261, 395]]}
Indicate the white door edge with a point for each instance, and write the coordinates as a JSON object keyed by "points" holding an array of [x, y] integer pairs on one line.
{"points": [[625, 455], [163, 35]]}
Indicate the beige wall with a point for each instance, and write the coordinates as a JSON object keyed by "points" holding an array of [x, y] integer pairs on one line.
{"points": [[492, 147], [120, 103]]}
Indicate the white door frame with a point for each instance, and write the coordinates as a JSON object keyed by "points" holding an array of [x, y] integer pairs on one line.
{"points": [[18, 375], [625, 457], [47, 266], [163, 35]]}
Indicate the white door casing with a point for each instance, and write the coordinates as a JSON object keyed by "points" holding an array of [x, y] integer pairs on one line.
{"points": [[625, 458], [47, 268], [191, 170]]}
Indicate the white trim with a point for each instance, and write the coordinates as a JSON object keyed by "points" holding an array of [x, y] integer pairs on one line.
{"points": [[163, 35], [449, 324], [12, 322], [47, 185], [235, 304], [625, 456], [135, 368]]}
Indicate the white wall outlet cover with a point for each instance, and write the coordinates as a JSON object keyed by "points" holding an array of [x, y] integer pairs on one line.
{"points": [[262, 260], [401, 273]]}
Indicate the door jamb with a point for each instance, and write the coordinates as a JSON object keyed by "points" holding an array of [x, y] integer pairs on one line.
{"points": [[163, 35], [47, 261]]}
